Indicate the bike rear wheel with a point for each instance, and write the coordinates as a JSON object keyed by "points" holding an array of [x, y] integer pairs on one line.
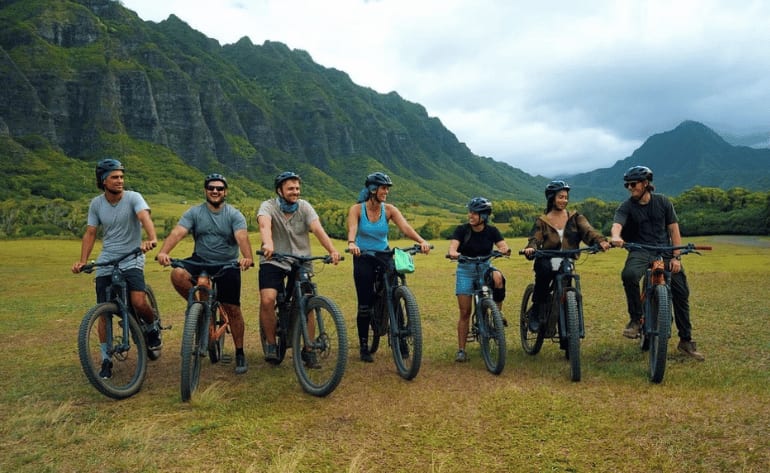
{"points": [[128, 358], [379, 324], [660, 320], [320, 364], [193, 350], [153, 354], [531, 342], [573, 333], [492, 336], [406, 335]]}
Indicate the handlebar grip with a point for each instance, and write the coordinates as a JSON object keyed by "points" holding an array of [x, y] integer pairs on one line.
{"points": [[706, 248]]}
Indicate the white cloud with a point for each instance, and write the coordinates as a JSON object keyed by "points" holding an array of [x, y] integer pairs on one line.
{"points": [[552, 88]]}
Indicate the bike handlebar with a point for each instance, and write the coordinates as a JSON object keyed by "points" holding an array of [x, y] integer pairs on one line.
{"points": [[218, 267], [412, 250], [562, 253], [89, 267], [661, 249], [478, 259], [299, 259]]}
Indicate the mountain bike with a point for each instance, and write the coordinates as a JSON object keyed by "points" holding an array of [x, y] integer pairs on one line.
{"points": [[319, 338], [205, 321], [657, 310], [563, 321], [112, 331], [396, 314], [487, 325]]}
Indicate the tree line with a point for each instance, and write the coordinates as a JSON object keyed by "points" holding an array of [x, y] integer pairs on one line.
{"points": [[701, 211]]}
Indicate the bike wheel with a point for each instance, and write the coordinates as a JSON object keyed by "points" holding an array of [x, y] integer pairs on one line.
{"points": [[320, 364], [153, 354], [531, 342], [128, 357], [379, 324], [660, 333], [492, 336], [192, 349], [216, 347], [406, 336], [573, 333]]}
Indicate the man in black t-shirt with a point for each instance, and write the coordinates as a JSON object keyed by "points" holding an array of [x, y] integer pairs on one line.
{"points": [[649, 218]]}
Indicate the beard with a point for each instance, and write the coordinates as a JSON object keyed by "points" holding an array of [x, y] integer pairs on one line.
{"points": [[216, 204]]}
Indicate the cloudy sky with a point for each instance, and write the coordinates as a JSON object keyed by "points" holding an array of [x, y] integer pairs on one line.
{"points": [[550, 87]]}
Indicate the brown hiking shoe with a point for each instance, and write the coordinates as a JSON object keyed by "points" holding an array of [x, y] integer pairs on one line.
{"points": [[632, 330], [689, 348]]}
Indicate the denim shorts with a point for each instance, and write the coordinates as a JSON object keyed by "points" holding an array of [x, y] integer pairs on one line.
{"points": [[466, 276]]}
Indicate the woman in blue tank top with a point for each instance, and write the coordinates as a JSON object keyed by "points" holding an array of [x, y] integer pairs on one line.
{"points": [[368, 230]]}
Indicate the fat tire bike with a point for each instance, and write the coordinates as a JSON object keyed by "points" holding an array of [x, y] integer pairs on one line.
{"points": [[563, 322], [395, 313], [312, 324], [114, 329], [487, 326], [657, 307], [205, 322]]}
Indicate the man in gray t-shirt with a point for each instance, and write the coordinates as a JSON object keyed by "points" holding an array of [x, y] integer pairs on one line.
{"points": [[285, 224], [121, 214], [219, 231]]}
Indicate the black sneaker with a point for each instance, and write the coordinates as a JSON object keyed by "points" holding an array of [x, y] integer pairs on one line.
{"points": [[153, 340], [310, 358], [366, 356], [534, 320], [240, 364], [106, 372], [271, 353]]}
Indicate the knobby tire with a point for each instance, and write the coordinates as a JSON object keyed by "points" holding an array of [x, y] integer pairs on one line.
{"points": [[492, 336], [573, 333], [192, 352], [129, 368], [531, 342], [661, 313], [406, 335], [330, 345]]}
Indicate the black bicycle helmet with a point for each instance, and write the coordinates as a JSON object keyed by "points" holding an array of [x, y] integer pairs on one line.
{"points": [[554, 187], [285, 176], [638, 173], [214, 177], [104, 168], [480, 205], [378, 179]]}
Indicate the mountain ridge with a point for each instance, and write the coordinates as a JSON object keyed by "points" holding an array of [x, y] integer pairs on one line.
{"points": [[87, 78]]}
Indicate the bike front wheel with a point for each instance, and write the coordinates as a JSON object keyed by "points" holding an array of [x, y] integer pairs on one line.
{"points": [[320, 361], [193, 350], [406, 334], [573, 333], [114, 362], [660, 323], [531, 342], [492, 336]]}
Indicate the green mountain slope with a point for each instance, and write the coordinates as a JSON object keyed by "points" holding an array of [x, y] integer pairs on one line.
{"points": [[88, 78]]}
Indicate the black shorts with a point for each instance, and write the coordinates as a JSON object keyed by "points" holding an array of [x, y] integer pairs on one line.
{"points": [[228, 283], [134, 282], [272, 277]]}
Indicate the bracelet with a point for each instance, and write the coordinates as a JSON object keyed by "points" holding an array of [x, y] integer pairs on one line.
{"points": [[351, 241]]}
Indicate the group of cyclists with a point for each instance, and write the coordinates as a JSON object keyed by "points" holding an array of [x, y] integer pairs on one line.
{"points": [[286, 221]]}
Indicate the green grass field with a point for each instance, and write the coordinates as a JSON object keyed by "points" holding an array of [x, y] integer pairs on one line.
{"points": [[712, 416]]}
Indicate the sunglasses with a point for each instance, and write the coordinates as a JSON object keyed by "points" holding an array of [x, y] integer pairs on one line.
{"points": [[631, 184], [215, 188]]}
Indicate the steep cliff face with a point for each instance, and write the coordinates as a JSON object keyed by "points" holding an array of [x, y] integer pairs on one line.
{"points": [[87, 74]]}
